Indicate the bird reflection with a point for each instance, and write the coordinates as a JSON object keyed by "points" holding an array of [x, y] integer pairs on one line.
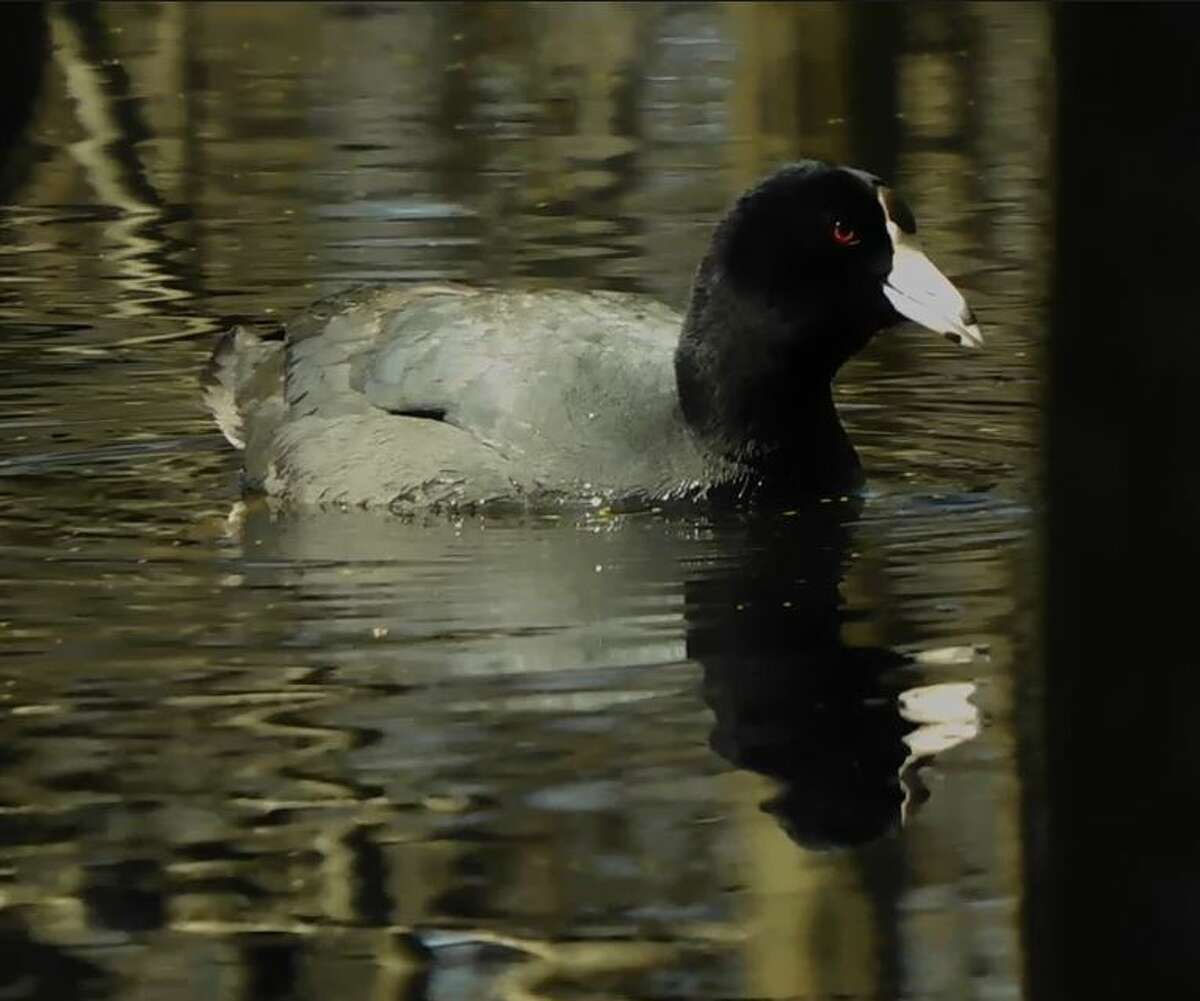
{"points": [[796, 703], [836, 725]]}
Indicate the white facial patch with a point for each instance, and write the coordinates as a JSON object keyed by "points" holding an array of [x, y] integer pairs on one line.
{"points": [[895, 233]]}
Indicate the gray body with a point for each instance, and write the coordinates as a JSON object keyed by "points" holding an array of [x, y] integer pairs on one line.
{"points": [[447, 396]]}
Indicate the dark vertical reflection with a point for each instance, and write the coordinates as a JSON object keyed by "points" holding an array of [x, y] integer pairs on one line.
{"points": [[372, 903], [1115, 883], [126, 896], [271, 967], [875, 135], [23, 53], [466, 35]]}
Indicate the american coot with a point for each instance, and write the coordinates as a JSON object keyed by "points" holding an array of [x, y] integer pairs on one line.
{"points": [[444, 396]]}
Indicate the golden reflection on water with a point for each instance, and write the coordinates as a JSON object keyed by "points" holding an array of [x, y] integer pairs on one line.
{"points": [[324, 755]]}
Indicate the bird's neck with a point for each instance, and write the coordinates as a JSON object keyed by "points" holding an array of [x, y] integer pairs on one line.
{"points": [[758, 394]]}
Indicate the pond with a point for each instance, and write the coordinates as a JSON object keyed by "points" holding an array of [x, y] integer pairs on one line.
{"points": [[262, 756]]}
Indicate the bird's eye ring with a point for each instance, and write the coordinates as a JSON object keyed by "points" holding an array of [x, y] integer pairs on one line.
{"points": [[843, 235]]}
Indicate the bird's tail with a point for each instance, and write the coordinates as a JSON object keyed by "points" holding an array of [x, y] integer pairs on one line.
{"points": [[243, 377]]}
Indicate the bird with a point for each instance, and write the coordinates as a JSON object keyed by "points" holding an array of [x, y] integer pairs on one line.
{"points": [[458, 398]]}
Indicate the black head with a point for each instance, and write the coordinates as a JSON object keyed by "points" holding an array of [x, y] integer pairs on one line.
{"points": [[806, 266], [811, 239]]}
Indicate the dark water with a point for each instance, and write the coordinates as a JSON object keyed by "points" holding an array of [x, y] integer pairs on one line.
{"points": [[336, 755]]}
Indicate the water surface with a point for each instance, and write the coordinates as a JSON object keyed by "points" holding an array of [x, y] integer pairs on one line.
{"points": [[255, 756]]}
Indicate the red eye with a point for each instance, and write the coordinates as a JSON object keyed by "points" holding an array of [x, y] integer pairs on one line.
{"points": [[844, 236]]}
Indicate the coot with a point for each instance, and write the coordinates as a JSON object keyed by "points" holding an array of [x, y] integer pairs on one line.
{"points": [[441, 396]]}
